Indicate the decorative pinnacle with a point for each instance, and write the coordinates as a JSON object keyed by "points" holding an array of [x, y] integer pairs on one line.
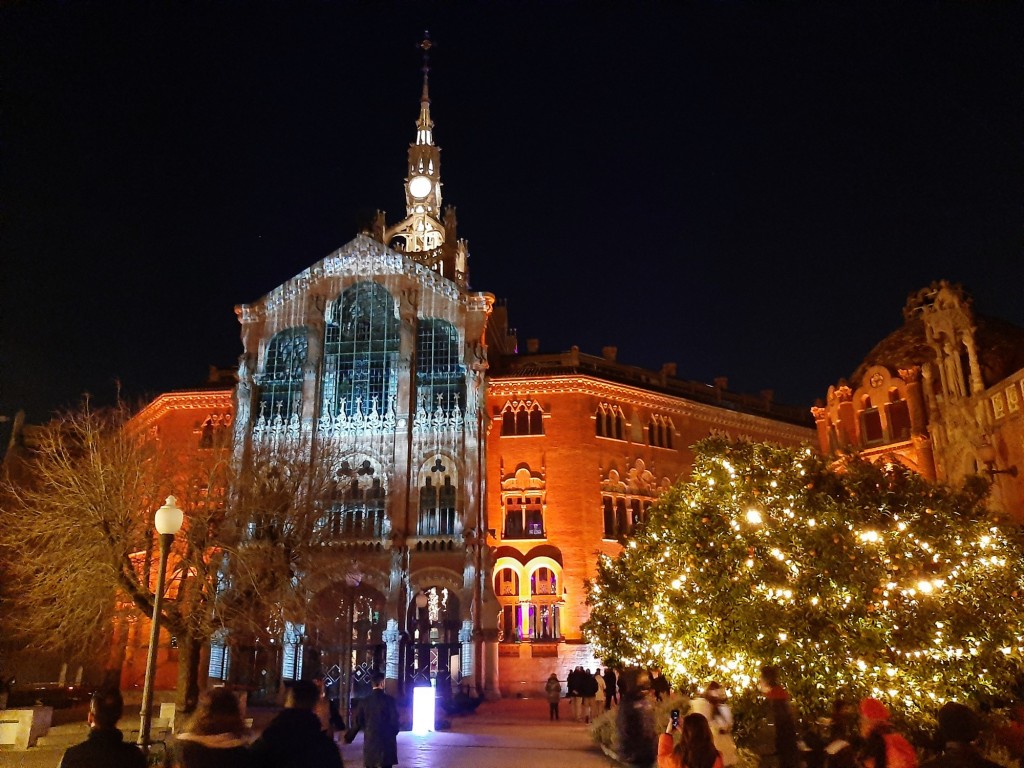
{"points": [[425, 45]]}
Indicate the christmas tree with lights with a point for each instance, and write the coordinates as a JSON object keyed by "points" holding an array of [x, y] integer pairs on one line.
{"points": [[854, 578]]}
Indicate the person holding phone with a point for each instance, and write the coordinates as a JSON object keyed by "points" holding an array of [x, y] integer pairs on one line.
{"points": [[696, 747]]}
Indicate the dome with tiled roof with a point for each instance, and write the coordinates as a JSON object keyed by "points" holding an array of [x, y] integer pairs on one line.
{"points": [[1000, 343]]}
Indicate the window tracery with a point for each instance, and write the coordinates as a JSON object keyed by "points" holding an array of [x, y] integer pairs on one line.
{"points": [[438, 514], [356, 505], [660, 431], [522, 417], [610, 422]]}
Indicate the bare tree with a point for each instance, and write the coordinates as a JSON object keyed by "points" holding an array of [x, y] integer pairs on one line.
{"points": [[254, 551], [78, 527]]}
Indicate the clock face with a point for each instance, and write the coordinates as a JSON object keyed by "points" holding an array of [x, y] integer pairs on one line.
{"points": [[419, 186]]}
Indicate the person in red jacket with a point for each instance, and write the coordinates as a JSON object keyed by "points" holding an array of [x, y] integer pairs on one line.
{"points": [[696, 747], [883, 747]]}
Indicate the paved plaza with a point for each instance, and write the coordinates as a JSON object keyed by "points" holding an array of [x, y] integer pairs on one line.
{"points": [[501, 733]]}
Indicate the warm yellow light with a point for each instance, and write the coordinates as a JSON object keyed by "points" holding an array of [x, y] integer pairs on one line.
{"points": [[754, 517]]}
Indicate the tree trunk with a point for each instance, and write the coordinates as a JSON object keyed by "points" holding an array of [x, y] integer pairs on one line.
{"points": [[189, 654]]}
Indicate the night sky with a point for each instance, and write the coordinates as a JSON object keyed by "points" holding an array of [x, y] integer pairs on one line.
{"points": [[748, 189]]}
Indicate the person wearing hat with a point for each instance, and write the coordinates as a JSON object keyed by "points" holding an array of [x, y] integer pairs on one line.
{"points": [[883, 747], [957, 731]]}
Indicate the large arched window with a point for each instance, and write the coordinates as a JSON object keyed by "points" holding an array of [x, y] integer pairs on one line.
{"points": [[281, 388], [440, 374], [360, 351]]}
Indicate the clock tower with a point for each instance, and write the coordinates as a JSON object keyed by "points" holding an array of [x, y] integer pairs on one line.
{"points": [[424, 234]]}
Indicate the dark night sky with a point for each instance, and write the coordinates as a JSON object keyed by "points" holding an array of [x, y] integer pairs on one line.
{"points": [[748, 189]]}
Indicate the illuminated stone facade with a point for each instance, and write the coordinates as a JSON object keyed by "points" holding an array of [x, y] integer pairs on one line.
{"points": [[474, 486], [943, 395]]}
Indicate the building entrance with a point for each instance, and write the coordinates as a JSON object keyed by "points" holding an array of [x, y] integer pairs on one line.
{"points": [[432, 649]]}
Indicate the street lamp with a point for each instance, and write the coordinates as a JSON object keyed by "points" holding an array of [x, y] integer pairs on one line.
{"points": [[987, 454], [167, 521]]}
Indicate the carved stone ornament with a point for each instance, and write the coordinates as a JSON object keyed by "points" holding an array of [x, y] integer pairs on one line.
{"points": [[910, 374]]}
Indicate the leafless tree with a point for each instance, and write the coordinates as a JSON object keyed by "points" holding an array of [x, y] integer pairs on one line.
{"points": [[82, 552]]}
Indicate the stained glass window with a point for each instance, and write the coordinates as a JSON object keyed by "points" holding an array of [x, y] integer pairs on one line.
{"points": [[440, 374], [281, 391], [360, 351]]}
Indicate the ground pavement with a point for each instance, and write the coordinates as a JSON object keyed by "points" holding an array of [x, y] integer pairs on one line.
{"points": [[499, 734]]}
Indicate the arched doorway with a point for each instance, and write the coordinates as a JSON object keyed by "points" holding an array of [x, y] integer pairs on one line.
{"points": [[432, 643], [347, 638]]}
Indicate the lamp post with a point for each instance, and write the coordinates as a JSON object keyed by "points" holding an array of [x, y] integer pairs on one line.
{"points": [[167, 521]]}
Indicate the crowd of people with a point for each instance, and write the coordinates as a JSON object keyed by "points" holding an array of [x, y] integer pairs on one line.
{"points": [[589, 693], [304, 734], [858, 735]]}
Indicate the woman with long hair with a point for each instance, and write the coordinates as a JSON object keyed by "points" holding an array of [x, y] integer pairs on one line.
{"points": [[215, 737], [696, 747]]}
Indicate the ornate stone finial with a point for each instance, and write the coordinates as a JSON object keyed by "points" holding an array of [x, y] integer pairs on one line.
{"points": [[819, 412], [843, 393]]}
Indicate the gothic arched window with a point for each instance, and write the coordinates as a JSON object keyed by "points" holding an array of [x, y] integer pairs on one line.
{"points": [[281, 388], [440, 374], [360, 351], [438, 500], [522, 417], [357, 504], [610, 422]]}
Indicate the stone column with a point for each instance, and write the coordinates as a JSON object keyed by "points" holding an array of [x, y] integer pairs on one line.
{"points": [[468, 651], [849, 433], [915, 399], [490, 640], [392, 638], [977, 385]]}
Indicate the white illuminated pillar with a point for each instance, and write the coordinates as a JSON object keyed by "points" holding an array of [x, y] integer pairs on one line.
{"points": [[423, 709]]}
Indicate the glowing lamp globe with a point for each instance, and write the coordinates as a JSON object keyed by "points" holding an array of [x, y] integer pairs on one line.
{"points": [[169, 517]]}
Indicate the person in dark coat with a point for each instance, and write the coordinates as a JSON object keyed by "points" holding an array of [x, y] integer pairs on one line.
{"points": [[294, 739], [105, 747], [611, 693], [958, 730], [377, 715], [588, 692], [215, 737], [784, 748]]}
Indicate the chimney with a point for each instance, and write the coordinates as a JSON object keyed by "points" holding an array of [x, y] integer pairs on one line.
{"points": [[668, 370], [721, 382], [609, 353], [532, 345], [767, 395]]}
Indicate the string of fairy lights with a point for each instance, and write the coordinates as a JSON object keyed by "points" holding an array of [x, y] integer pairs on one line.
{"points": [[861, 578]]}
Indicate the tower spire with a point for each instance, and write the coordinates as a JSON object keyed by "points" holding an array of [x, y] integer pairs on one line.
{"points": [[427, 235], [424, 125]]}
